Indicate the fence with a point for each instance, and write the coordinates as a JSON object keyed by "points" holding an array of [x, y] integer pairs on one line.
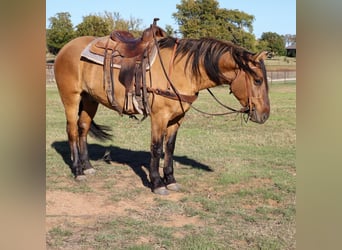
{"points": [[274, 76], [50, 75], [281, 75]]}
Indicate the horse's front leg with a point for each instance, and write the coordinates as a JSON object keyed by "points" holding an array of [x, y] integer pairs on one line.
{"points": [[158, 128], [170, 142]]}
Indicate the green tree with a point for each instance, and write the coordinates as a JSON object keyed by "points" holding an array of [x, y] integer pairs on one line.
{"points": [[60, 32], [204, 18], [119, 23], [104, 24], [273, 42], [169, 30], [93, 25]]}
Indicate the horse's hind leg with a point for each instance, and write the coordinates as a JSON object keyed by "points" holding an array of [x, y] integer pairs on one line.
{"points": [[77, 129], [71, 104], [87, 111]]}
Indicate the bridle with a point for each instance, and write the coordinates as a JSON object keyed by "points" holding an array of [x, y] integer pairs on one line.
{"points": [[246, 111]]}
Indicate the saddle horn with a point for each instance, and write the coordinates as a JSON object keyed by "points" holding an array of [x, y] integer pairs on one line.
{"points": [[155, 21]]}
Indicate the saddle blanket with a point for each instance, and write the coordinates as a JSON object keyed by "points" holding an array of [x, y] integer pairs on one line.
{"points": [[86, 53]]}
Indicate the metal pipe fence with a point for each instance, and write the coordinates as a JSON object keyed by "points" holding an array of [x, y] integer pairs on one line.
{"points": [[274, 76], [50, 75], [281, 75]]}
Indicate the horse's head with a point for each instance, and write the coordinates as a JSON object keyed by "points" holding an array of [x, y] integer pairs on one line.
{"points": [[226, 63], [250, 87]]}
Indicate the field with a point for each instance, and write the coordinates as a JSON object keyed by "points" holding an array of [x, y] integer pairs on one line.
{"points": [[280, 63], [238, 182]]}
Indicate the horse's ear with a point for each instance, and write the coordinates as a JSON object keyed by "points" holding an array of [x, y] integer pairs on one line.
{"points": [[260, 56]]}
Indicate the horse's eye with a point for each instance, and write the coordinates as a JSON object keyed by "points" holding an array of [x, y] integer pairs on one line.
{"points": [[258, 81]]}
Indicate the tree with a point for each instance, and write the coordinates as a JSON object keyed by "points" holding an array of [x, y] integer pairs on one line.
{"points": [[273, 42], [104, 24], [204, 18], [93, 25], [60, 31], [169, 30]]}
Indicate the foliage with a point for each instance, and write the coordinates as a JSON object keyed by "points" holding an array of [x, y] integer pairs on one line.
{"points": [[204, 18], [93, 25], [273, 42], [196, 19], [169, 30], [104, 24], [60, 31], [119, 23]]}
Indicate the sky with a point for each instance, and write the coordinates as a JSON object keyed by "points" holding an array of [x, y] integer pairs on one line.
{"points": [[277, 16]]}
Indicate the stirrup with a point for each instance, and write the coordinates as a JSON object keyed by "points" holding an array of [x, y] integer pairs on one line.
{"points": [[136, 105], [131, 104]]}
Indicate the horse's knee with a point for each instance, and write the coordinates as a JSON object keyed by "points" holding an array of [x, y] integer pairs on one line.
{"points": [[156, 150]]}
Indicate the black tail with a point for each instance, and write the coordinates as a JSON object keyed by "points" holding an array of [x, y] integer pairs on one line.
{"points": [[97, 131], [100, 132]]}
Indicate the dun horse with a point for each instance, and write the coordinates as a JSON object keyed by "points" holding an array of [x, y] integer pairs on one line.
{"points": [[169, 82]]}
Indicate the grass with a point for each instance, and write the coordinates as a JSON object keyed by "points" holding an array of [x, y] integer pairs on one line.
{"points": [[238, 181], [281, 63]]}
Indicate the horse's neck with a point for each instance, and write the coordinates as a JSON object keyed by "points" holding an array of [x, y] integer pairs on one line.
{"points": [[182, 79], [204, 82]]}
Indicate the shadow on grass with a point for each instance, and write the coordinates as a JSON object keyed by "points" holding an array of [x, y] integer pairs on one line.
{"points": [[136, 160]]}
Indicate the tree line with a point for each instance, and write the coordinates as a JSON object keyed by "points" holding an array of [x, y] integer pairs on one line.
{"points": [[195, 19]]}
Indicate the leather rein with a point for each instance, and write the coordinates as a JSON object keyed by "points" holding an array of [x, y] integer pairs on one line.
{"points": [[175, 95]]}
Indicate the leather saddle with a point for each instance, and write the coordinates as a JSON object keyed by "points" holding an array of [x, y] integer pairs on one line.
{"points": [[132, 55]]}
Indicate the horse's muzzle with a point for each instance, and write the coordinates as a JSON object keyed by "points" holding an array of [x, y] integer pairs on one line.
{"points": [[257, 117]]}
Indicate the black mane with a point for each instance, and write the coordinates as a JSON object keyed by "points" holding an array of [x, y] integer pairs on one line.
{"points": [[208, 51]]}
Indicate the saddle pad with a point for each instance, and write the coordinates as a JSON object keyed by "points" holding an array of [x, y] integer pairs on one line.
{"points": [[86, 53]]}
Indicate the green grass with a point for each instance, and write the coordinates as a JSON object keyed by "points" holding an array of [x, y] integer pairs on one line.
{"points": [[281, 63], [246, 201]]}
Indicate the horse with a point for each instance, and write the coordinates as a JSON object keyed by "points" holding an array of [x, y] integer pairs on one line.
{"points": [[194, 65]]}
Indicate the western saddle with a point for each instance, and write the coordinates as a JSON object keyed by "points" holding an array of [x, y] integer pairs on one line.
{"points": [[133, 57]]}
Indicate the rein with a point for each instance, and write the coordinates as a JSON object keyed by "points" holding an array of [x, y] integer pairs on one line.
{"points": [[243, 110]]}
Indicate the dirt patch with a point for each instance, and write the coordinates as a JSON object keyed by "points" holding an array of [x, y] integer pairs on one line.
{"points": [[120, 200], [182, 220]]}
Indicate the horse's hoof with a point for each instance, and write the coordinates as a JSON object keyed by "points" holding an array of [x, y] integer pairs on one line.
{"points": [[173, 187], [80, 178], [89, 171], [161, 191]]}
